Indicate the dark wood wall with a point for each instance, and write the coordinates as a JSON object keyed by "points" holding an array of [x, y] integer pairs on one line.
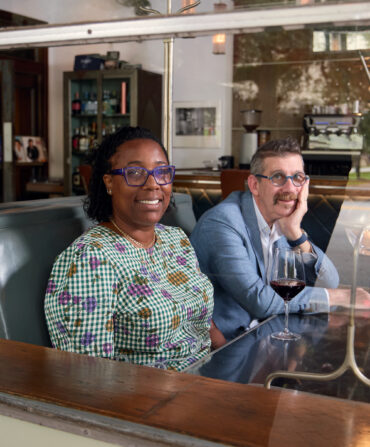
{"points": [[24, 93]]}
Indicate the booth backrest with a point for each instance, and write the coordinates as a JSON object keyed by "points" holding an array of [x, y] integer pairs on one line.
{"points": [[32, 234]]}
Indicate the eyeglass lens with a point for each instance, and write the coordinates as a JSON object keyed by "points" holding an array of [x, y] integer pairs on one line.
{"points": [[280, 179], [138, 176]]}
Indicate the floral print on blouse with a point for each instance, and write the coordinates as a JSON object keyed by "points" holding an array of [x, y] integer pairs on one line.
{"points": [[107, 298]]}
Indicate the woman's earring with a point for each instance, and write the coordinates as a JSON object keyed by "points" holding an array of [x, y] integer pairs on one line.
{"points": [[109, 191], [172, 201]]}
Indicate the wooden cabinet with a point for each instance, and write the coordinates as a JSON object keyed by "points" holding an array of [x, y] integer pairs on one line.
{"points": [[96, 103], [23, 110], [24, 113]]}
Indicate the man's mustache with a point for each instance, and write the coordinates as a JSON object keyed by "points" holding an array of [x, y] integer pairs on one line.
{"points": [[284, 196]]}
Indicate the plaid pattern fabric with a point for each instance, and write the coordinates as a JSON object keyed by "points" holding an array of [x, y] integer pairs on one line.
{"points": [[107, 298]]}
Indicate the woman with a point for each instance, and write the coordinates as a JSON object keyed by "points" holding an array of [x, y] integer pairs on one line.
{"points": [[130, 289]]}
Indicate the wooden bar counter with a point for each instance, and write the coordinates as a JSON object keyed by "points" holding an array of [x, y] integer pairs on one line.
{"points": [[154, 407], [229, 180]]}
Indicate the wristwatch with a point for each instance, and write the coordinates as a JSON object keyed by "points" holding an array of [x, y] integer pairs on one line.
{"points": [[299, 241]]}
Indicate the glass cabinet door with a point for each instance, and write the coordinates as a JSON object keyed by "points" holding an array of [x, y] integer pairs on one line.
{"points": [[83, 111], [116, 104]]}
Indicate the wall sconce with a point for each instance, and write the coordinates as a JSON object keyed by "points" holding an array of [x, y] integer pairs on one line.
{"points": [[218, 43], [219, 40]]}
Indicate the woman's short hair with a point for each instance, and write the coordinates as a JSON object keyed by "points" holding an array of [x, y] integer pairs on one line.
{"points": [[98, 204], [273, 148]]}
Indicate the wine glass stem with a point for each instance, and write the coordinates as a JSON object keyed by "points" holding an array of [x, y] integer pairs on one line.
{"points": [[286, 330]]}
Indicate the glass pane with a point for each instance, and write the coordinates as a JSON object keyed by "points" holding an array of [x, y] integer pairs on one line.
{"points": [[116, 103]]}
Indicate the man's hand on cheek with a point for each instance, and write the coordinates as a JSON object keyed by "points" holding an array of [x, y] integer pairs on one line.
{"points": [[291, 225]]}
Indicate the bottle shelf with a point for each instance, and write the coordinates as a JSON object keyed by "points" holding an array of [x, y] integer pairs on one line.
{"points": [[116, 115], [80, 153], [97, 103], [85, 115]]}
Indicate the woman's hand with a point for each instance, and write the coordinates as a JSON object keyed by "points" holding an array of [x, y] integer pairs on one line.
{"points": [[217, 337]]}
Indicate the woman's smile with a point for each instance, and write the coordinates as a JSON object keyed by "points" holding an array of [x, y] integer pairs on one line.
{"points": [[150, 204]]}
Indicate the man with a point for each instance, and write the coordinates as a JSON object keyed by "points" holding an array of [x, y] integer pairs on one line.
{"points": [[32, 151], [235, 239]]}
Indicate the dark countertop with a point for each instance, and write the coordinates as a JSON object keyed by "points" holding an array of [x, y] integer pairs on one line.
{"points": [[321, 349]]}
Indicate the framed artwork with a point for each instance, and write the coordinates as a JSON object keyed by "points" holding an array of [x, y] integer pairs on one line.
{"points": [[197, 124], [28, 149]]}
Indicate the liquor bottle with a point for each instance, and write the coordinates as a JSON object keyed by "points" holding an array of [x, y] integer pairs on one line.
{"points": [[123, 98], [76, 105], [92, 135], [76, 140], [113, 102], [94, 100], [90, 105], [106, 103], [84, 140], [84, 102], [76, 178]]}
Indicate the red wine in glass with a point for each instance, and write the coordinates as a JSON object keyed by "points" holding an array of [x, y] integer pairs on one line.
{"points": [[287, 279], [287, 288]]}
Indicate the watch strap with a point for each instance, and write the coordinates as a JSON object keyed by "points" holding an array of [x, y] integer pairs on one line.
{"points": [[299, 241]]}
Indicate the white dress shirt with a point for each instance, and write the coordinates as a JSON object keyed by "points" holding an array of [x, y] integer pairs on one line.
{"points": [[268, 237]]}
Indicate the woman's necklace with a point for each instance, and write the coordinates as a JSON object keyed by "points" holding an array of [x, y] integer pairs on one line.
{"points": [[131, 239]]}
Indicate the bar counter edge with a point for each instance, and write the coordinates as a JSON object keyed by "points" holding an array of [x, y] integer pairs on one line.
{"points": [[126, 404]]}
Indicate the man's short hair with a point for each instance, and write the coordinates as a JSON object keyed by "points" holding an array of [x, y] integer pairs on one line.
{"points": [[273, 148]]}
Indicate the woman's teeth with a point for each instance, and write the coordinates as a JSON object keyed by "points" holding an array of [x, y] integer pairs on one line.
{"points": [[149, 202]]}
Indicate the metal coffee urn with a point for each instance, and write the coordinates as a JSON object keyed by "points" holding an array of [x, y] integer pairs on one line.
{"points": [[251, 120]]}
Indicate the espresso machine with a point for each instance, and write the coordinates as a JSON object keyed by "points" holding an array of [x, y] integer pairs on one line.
{"points": [[249, 144], [332, 143]]}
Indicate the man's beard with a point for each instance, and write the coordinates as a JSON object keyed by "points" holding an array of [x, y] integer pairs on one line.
{"points": [[284, 196]]}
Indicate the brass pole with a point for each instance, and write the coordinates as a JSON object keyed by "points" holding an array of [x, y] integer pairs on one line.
{"points": [[167, 95], [168, 78]]}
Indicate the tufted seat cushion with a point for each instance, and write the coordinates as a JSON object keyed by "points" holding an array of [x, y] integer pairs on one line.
{"points": [[320, 219]]}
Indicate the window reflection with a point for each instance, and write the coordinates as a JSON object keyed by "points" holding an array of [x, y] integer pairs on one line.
{"points": [[341, 40]]}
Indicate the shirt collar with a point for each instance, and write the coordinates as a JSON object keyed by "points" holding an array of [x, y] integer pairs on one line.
{"points": [[262, 224]]}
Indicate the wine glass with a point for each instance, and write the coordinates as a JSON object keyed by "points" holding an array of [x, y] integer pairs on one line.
{"points": [[287, 278]]}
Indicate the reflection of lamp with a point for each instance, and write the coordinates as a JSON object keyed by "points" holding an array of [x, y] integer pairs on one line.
{"points": [[219, 40], [186, 4], [218, 43]]}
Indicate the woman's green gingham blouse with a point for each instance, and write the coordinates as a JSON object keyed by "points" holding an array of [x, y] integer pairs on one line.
{"points": [[107, 298]]}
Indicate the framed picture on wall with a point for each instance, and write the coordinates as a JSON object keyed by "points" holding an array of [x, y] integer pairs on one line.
{"points": [[28, 149], [197, 124]]}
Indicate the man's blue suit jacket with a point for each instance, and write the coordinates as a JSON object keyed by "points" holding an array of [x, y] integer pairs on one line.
{"points": [[228, 245]]}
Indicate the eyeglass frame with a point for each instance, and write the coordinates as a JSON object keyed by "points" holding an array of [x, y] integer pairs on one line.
{"points": [[122, 171], [306, 177]]}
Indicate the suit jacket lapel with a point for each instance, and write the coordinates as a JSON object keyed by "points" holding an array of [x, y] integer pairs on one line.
{"points": [[250, 219]]}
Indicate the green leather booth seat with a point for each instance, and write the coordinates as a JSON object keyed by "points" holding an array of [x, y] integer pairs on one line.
{"points": [[328, 221], [32, 234], [203, 199]]}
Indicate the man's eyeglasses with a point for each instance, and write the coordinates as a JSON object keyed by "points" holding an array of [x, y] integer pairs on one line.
{"points": [[137, 175], [279, 179]]}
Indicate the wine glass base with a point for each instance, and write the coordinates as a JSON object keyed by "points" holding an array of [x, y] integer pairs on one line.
{"points": [[285, 336]]}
